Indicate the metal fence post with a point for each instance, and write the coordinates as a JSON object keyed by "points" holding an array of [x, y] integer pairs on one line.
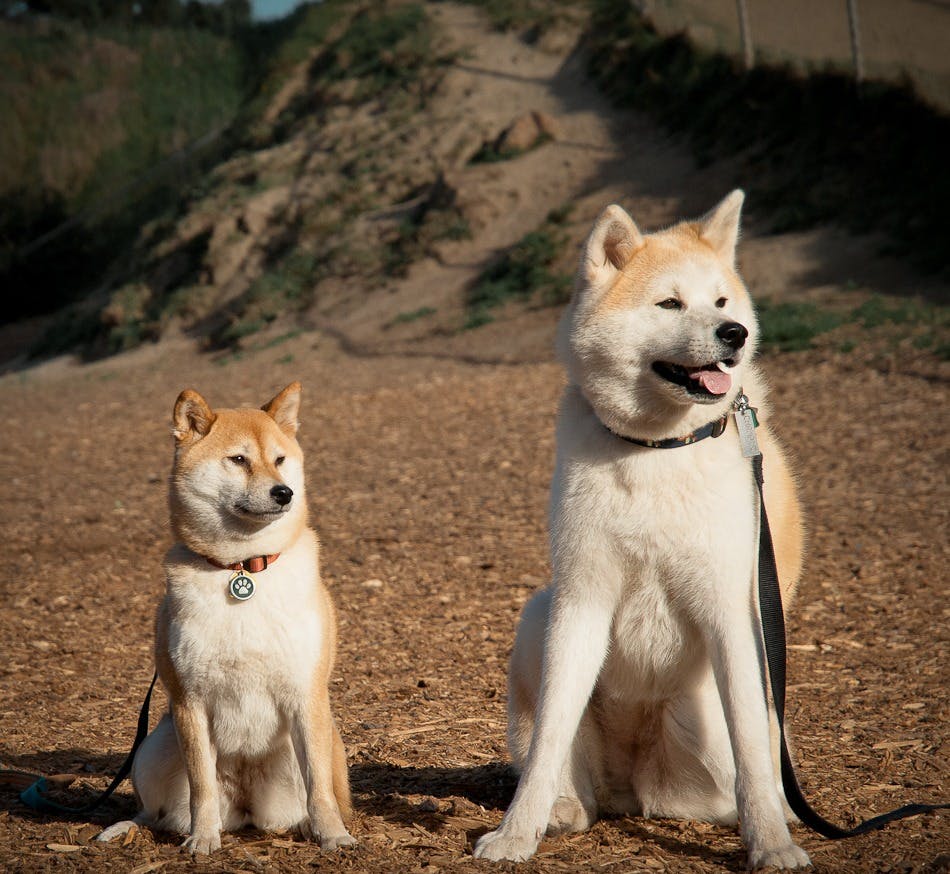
{"points": [[745, 34], [855, 29]]}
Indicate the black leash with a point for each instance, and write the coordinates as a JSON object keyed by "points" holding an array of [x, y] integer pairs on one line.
{"points": [[35, 795], [773, 631], [773, 625]]}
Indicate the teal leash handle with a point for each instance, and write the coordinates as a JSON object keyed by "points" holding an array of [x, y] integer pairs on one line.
{"points": [[34, 796]]}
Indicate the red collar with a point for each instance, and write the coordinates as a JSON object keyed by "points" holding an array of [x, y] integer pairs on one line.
{"points": [[252, 565]]}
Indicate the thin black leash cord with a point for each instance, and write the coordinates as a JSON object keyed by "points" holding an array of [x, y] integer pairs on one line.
{"points": [[773, 631], [34, 796]]}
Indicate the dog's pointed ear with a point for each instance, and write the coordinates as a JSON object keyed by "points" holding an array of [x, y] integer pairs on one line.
{"points": [[720, 227], [192, 418], [612, 243], [283, 409]]}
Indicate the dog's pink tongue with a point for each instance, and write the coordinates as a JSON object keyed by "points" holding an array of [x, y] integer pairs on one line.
{"points": [[712, 379]]}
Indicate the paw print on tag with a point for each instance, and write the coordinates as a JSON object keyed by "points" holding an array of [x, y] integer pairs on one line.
{"points": [[241, 586]]}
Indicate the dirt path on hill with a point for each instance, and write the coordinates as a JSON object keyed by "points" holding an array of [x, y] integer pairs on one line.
{"points": [[429, 460]]}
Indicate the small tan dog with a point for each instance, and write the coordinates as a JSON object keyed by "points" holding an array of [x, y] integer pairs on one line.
{"points": [[245, 641], [636, 684]]}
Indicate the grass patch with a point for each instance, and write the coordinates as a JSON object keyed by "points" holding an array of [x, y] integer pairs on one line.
{"points": [[278, 48], [790, 326], [89, 119], [287, 285], [412, 316], [433, 218], [383, 54], [878, 310], [85, 110], [531, 17], [527, 271], [808, 149]]}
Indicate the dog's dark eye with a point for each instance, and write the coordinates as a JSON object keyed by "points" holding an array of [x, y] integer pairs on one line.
{"points": [[721, 302], [279, 460], [671, 303], [239, 460]]}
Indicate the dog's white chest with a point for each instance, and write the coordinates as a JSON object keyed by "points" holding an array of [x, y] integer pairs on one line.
{"points": [[252, 661], [677, 530]]}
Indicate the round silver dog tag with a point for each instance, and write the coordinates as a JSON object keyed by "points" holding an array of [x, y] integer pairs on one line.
{"points": [[241, 586]]}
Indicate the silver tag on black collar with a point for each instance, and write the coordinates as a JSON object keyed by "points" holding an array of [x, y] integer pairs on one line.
{"points": [[241, 586], [746, 422]]}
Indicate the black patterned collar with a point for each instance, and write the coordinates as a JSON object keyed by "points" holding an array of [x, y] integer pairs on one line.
{"points": [[712, 429]]}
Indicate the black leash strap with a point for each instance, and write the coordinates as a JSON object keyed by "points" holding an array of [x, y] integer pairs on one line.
{"points": [[35, 795], [773, 630]]}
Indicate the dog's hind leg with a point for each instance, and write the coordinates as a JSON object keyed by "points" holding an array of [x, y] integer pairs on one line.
{"points": [[160, 780], [576, 806], [688, 771], [278, 800], [160, 783]]}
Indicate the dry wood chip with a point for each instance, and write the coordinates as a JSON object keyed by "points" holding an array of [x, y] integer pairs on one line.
{"points": [[465, 823], [148, 867], [408, 732], [64, 848]]}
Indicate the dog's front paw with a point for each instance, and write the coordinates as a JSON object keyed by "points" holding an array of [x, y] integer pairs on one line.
{"points": [[499, 846], [789, 856], [203, 842]]}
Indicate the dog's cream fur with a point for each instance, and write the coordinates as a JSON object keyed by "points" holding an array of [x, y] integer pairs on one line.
{"points": [[635, 683], [249, 738]]}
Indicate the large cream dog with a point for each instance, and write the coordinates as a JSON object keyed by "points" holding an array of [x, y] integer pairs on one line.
{"points": [[635, 683], [245, 641]]}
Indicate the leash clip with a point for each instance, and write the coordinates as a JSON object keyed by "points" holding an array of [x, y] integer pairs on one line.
{"points": [[746, 423]]}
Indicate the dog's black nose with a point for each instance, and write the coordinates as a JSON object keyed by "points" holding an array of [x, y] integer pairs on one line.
{"points": [[282, 495], [732, 334]]}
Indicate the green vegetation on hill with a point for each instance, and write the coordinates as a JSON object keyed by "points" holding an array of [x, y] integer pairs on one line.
{"points": [[530, 17], [532, 270], [375, 55], [324, 141], [791, 326], [88, 117], [305, 169]]}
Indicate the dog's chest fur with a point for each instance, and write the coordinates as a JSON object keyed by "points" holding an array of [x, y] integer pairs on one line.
{"points": [[252, 662]]}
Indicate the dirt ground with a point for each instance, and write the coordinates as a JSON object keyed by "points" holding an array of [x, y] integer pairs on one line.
{"points": [[429, 458]]}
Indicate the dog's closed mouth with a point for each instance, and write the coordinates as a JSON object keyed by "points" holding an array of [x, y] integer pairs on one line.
{"points": [[708, 381], [247, 511]]}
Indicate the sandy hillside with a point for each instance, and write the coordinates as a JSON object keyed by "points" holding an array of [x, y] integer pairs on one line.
{"points": [[429, 455]]}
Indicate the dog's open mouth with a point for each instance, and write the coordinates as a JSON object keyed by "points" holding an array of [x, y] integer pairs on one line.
{"points": [[707, 382]]}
